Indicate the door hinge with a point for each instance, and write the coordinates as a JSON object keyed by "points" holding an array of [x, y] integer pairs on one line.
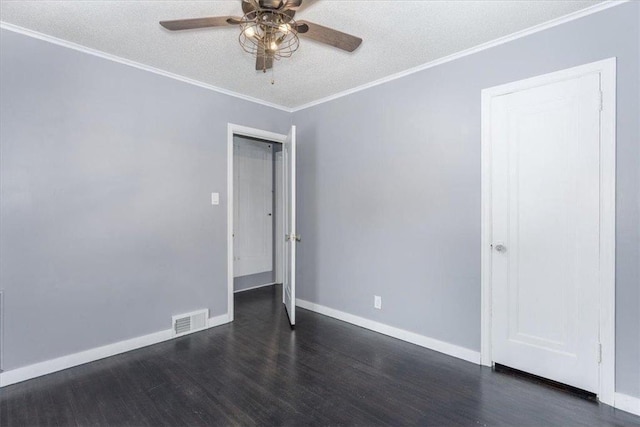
{"points": [[295, 237], [599, 353]]}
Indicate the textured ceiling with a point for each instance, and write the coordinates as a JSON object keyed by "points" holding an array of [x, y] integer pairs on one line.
{"points": [[398, 35]]}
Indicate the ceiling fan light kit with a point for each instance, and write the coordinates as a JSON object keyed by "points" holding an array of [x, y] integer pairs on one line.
{"points": [[268, 30], [269, 35]]}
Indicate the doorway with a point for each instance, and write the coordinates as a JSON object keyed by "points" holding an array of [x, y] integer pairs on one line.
{"points": [[548, 227], [256, 217], [261, 221]]}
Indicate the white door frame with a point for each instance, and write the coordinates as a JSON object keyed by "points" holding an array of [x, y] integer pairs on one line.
{"points": [[607, 70], [233, 129]]}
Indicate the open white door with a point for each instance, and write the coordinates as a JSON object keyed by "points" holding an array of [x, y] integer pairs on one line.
{"points": [[280, 219], [289, 282]]}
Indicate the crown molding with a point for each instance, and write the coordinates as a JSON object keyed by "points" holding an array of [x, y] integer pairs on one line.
{"points": [[80, 48], [607, 4]]}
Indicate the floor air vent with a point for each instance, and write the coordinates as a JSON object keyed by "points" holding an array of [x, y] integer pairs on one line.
{"points": [[189, 322]]}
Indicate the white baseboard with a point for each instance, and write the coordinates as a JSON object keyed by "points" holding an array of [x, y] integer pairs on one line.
{"points": [[622, 401], [430, 343], [627, 403], [255, 287], [49, 366]]}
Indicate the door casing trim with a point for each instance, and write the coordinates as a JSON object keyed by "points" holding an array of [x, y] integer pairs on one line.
{"points": [[233, 129], [607, 70]]}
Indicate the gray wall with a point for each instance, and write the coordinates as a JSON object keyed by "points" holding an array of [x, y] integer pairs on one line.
{"points": [[389, 187], [244, 283], [106, 173]]}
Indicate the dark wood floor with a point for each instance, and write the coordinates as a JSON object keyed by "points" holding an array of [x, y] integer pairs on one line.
{"points": [[257, 371]]}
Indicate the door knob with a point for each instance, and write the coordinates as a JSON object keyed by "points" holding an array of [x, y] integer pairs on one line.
{"points": [[501, 248]]}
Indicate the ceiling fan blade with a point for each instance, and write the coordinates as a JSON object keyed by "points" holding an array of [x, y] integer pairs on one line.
{"points": [[189, 24], [329, 36], [249, 6], [291, 4], [306, 4], [301, 28], [264, 63], [290, 13], [236, 21]]}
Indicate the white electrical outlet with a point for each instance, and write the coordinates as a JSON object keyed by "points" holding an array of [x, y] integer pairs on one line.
{"points": [[215, 198], [377, 302]]}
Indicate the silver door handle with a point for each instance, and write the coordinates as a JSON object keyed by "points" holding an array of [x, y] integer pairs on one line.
{"points": [[501, 248]]}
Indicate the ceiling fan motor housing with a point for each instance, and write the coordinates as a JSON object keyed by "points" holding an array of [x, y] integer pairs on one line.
{"points": [[269, 33]]}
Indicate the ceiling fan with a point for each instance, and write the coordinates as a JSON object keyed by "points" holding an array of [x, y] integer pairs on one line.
{"points": [[269, 31]]}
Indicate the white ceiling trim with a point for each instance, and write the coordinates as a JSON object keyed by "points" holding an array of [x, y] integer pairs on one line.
{"points": [[115, 58], [523, 33], [537, 28]]}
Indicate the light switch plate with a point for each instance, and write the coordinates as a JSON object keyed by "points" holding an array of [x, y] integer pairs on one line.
{"points": [[377, 302], [215, 198]]}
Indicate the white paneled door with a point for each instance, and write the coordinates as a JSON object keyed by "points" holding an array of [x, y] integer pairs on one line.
{"points": [[545, 180], [291, 236]]}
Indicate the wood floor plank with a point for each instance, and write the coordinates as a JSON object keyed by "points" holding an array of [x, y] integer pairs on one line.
{"points": [[258, 372], [60, 399]]}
